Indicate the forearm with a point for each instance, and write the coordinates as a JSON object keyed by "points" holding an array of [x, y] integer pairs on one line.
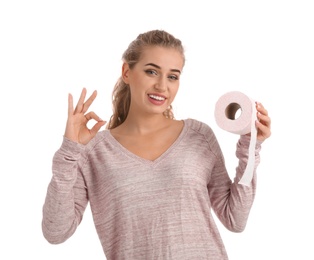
{"points": [[242, 154], [242, 196], [65, 202], [232, 201]]}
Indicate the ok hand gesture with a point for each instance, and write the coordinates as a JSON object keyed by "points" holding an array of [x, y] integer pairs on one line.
{"points": [[76, 126]]}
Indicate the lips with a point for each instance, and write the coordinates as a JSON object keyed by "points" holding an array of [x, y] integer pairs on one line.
{"points": [[157, 97]]}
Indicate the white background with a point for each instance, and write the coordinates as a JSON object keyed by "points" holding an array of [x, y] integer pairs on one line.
{"points": [[262, 48]]}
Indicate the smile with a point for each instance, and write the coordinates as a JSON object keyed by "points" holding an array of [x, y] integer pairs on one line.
{"points": [[159, 98]]}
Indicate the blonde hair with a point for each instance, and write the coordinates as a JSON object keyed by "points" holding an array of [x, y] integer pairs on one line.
{"points": [[121, 96]]}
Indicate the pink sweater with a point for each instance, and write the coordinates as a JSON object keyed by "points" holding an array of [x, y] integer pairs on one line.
{"points": [[145, 209]]}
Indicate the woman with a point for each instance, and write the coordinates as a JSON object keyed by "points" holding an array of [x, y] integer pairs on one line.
{"points": [[151, 181]]}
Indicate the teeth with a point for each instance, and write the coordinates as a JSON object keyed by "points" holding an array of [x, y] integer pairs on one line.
{"points": [[157, 97]]}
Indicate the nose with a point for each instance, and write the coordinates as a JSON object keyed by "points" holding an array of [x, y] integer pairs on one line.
{"points": [[161, 84]]}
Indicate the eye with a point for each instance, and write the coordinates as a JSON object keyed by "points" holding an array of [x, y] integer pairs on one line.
{"points": [[173, 77], [151, 72]]}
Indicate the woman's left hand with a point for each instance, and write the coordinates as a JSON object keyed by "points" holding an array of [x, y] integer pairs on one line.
{"points": [[263, 123]]}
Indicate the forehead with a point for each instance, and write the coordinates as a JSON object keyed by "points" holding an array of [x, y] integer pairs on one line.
{"points": [[165, 57]]}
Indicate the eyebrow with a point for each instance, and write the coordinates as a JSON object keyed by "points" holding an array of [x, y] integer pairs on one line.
{"points": [[158, 67]]}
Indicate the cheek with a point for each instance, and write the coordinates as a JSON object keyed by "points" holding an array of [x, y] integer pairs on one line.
{"points": [[174, 91], [136, 86], [141, 85]]}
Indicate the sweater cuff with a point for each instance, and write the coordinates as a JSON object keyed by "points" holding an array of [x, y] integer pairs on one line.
{"points": [[245, 140], [65, 161], [70, 147]]}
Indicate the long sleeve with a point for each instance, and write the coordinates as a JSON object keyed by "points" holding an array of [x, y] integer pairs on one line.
{"points": [[231, 201], [66, 197]]}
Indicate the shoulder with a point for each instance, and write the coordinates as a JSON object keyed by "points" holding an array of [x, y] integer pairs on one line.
{"points": [[100, 138], [198, 126], [200, 138], [202, 133]]}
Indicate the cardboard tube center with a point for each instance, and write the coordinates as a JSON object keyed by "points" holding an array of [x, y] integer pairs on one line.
{"points": [[233, 111]]}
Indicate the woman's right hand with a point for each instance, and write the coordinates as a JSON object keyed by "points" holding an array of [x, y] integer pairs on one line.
{"points": [[76, 127]]}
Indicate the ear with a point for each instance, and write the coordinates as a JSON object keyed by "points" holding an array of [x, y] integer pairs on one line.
{"points": [[125, 72]]}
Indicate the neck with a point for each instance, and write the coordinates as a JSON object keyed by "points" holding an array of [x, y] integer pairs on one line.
{"points": [[139, 124]]}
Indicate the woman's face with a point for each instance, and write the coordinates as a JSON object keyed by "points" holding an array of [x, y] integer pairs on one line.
{"points": [[154, 80]]}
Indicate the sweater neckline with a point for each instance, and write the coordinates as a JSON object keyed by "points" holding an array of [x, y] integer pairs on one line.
{"points": [[140, 159]]}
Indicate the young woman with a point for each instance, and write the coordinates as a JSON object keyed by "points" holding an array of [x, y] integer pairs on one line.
{"points": [[151, 181]]}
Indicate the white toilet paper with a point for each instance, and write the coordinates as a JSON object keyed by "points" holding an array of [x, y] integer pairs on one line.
{"points": [[227, 109]]}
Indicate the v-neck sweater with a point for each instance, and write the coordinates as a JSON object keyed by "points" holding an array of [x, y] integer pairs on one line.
{"points": [[144, 209]]}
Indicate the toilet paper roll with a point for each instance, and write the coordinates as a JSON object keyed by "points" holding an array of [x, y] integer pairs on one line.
{"points": [[227, 117]]}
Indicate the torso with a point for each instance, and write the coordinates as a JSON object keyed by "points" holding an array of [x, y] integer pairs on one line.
{"points": [[152, 145]]}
